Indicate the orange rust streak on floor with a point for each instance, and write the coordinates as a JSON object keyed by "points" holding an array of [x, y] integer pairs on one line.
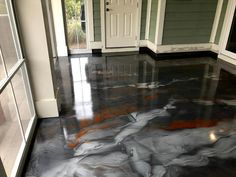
{"points": [[197, 123], [150, 97]]}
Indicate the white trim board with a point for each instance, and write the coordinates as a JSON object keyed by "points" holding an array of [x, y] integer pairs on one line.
{"points": [[103, 28], [90, 21], [216, 21], [148, 18], [111, 50], [139, 13], [227, 59], [215, 48], [183, 48], [47, 108], [160, 21], [96, 45], [152, 46], [80, 51], [143, 43], [179, 47]]}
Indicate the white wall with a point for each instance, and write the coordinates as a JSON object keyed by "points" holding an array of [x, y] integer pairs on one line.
{"points": [[36, 51]]}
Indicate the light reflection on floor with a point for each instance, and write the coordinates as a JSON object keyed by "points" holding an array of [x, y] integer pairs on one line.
{"points": [[128, 115]]}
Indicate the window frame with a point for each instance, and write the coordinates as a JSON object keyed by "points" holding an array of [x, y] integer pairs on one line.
{"points": [[19, 66]]}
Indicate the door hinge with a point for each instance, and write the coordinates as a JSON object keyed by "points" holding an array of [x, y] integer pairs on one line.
{"points": [[137, 4]]}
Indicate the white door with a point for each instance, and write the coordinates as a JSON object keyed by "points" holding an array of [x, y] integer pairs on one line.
{"points": [[121, 23]]}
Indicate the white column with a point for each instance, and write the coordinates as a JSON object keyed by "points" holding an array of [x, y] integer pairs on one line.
{"points": [[58, 17], [38, 57]]}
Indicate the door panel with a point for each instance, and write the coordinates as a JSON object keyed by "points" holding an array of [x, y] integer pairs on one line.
{"points": [[121, 23]]}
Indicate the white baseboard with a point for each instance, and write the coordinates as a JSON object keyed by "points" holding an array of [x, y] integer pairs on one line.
{"points": [[183, 48], [227, 59], [80, 51], [62, 51], [143, 43], [215, 48], [47, 108], [160, 48], [130, 49], [95, 45], [152, 46]]}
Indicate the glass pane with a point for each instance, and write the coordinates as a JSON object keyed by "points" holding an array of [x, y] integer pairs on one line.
{"points": [[2, 73], [10, 134], [3, 9], [7, 42], [21, 99], [76, 24], [231, 45]]}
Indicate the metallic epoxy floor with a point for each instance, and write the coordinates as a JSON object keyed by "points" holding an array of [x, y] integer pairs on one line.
{"points": [[128, 115]]}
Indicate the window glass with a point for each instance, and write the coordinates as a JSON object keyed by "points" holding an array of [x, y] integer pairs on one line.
{"points": [[21, 99], [6, 40], [10, 133], [2, 72]]}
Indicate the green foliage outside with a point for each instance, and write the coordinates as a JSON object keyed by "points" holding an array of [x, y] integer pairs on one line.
{"points": [[75, 32], [2, 8]]}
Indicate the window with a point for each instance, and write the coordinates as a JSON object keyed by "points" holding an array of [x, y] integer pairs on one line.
{"points": [[16, 104]]}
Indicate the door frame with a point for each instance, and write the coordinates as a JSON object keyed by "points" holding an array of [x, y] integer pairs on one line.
{"points": [[87, 8], [231, 7], [103, 29]]}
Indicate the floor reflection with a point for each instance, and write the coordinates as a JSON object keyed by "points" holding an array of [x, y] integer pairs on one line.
{"points": [[128, 115]]}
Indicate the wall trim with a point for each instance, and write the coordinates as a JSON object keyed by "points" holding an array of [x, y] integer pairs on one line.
{"points": [[62, 51], [215, 48], [143, 43], [160, 21], [103, 29], [139, 13], [152, 46], [183, 48], [148, 18], [129, 49], [216, 21], [90, 20], [47, 108], [96, 45], [227, 59], [80, 51]]}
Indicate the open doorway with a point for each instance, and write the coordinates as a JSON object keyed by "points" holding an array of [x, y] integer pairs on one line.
{"points": [[76, 22]]}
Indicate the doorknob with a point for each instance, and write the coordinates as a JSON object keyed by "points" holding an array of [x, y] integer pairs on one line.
{"points": [[107, 3], [107, 10]]}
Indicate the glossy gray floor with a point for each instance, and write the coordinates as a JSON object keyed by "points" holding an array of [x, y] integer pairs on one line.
{"points": [[130, 116]]}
